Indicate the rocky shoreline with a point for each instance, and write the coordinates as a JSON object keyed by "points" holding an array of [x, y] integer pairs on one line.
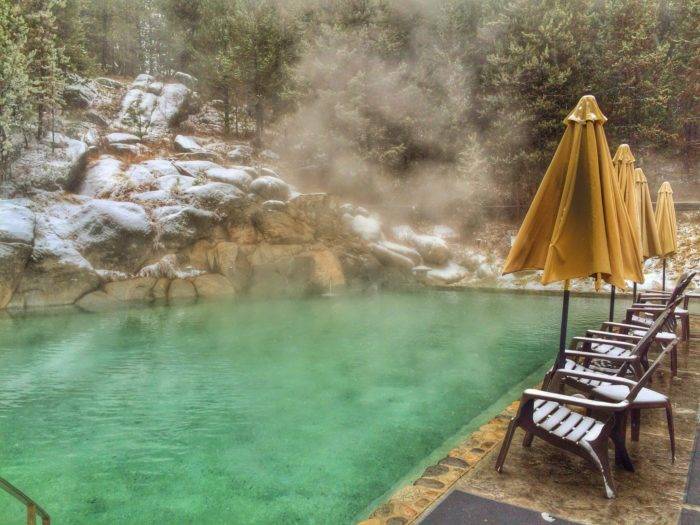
{"points": [[121, 206], [138, 197]]}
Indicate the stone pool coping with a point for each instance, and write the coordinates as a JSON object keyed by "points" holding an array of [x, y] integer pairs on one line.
{"points": [[413, 502], [409, 502]]}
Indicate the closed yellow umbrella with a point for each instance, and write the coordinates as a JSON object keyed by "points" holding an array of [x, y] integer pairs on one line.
{"points": [[624, 170], [648, 233], [577, 225], [666, 225]]}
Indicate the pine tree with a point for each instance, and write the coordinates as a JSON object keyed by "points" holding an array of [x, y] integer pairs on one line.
{"points": [[15, 87], [45, 62]]}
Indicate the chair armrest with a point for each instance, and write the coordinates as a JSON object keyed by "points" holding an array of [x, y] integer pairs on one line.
{"points": [[596, 355], [593, 375], [620, 344], [532, 393], [613, 335]]}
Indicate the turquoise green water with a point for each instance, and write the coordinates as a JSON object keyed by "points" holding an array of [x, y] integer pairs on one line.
{"points": [[256, 412]]}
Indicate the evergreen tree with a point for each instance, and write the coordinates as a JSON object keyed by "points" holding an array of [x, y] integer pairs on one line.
{"points": [[45, 60], [15, 87]]}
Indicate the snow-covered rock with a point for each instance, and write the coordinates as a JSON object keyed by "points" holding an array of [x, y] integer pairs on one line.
{"points": [[406, 251], [391, 258], [237, 177], [153, 107], [174, 183], [79, 95], [186, 143], [195, 168], [16, 239], [181, 225], [57, 274], [103, 177], [109, 82], [217, 196], [270, 188], [433, 249], [51, 167], [450, 273], [186, 79], [111, 234], [240, 153], [123, 138], [369, 228]]}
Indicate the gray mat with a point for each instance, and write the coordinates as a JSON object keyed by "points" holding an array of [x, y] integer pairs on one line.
{"points": [[460, 508]]}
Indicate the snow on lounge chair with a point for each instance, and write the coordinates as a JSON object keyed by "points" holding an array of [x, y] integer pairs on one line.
{"points": [[608, 349], [597, 385], [647, 301], [547, 416]]}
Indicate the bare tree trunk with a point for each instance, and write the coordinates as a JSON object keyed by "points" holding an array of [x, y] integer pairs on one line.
{"points": [[227, 112]]}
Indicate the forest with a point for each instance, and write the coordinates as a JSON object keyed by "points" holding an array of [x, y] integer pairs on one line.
{"points": [[460, 93]]}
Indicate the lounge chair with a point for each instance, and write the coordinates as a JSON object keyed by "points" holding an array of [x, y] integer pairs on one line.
{"points": [[628, 339], [581, 378], [546, 415], [653, 298]]}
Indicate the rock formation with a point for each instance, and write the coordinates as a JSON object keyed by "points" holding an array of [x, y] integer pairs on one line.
{"points": [[138, 211]]}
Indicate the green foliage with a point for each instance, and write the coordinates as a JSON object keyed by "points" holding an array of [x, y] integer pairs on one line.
{"points": [[15, 87]]}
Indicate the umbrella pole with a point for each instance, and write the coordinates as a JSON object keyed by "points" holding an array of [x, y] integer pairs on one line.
{"points": [[562, 334], [612, 304], [634, 292], [663, 275]]}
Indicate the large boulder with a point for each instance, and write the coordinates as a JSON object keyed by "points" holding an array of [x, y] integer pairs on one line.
{"points": [[103, 177], [217, 196], [227, 259], [186, 144], [278, 226], [57, 273], [16, 240], [137, 289], [237, 177], [112, 235], [390, 257], [151, 108], [433, 249], [51, 167], [181, 225], [368, 228], [270, 188], [181, 290], [79, 95], [213, 285]]}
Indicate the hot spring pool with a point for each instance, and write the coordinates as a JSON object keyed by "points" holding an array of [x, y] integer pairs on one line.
{"points": [[257, 412]]}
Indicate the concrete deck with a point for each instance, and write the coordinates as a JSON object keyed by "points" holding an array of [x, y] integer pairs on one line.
{"points": [[546, 480]]}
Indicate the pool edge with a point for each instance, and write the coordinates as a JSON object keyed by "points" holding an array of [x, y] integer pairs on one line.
{"points": [[409, 502]]}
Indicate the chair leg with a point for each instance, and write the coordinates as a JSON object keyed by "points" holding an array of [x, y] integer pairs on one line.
{"points": [[685, 324], [599, 456], [635, 420], [506, 444], [674, 361], [671, 432], [527, 439]]}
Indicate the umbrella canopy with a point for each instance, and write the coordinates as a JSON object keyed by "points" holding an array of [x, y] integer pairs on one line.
{"points": [[666, 220], [648, 233], [624, 169], [577, 225]]}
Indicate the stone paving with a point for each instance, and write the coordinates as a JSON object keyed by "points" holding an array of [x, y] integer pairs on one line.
{"points": [[546, 479]]}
